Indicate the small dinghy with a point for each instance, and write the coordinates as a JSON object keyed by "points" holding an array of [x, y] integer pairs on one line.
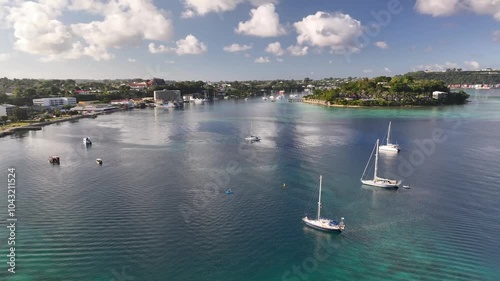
{"points": [[87, 141], [229, 191], [54, 160], [98, 161], [406, 187]]}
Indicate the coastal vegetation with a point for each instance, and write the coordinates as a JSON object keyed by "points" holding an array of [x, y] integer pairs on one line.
{"points": [[387, 91], [459, 77], [21, 92]]}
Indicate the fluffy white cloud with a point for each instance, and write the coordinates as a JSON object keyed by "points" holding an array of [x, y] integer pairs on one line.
{"points": [[382, 44], [262, 60], [263, 22], [279, 59], [203, 7], [37, 29], [298, 50], [337, 31], [234, 48], [262, 2], [435, 67], [131, 60], [387, 70], [486, 7], [496, 36], [160, 49], [275, 49], [187, 46], [472, 65], [450, 7], [190, 46], [437, 8]]}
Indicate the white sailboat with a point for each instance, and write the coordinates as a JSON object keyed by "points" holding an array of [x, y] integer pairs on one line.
{"points": [[322, 223], [390, 147], [377, 181]]}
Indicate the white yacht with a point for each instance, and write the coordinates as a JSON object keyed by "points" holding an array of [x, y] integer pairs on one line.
{"points": [[377, 181], [322, 223], [390, 147], [252, 138]]}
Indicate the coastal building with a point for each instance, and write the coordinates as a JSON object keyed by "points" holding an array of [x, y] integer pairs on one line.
{"points": [[138, 86], [83, 92], [439, 95], [5, 109], [54, 102], [167, 95], [156, 82]]}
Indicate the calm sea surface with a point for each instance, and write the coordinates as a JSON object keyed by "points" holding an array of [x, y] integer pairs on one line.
{"points": [[156, 209]]}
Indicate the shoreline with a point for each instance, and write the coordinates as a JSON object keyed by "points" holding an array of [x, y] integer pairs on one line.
{"points": [[326, 103], [38, 126]]}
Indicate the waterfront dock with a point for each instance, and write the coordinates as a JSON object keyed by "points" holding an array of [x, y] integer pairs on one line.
{"points": [[38, 126]]}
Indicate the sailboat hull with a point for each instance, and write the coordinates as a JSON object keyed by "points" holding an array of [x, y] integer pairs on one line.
{"points": [[323, 224], [384, 183], [389, 148]]}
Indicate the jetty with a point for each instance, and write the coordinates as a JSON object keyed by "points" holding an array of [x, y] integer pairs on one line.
{"points": [[38, 126]]}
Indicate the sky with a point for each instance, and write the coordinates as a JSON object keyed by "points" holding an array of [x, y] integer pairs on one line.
{"points": [[214, 40]]}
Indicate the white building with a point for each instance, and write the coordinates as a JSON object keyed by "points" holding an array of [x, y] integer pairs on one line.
{"points": [[54, 102], [439, 95], [167, 95], [5, 109]]}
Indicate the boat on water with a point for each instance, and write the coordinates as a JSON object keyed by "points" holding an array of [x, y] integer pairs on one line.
{"points": [[389, 146], [229, 191], [87, 141], [323, 223], [198, 101], [378, 181], [252, 138], [98, 161], [54, 160]]}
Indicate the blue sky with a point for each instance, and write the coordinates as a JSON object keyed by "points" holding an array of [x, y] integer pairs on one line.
{"points": [[276, 39]]}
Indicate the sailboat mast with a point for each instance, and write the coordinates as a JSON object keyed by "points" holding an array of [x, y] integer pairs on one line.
{"points": [[389, 134], [319, 200], [376, 162]]}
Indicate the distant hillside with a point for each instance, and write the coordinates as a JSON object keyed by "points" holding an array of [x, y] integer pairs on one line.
{"points": [[460, 77]]}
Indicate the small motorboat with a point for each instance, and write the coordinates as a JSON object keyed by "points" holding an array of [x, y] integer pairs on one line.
{"points": [[87, 141], [54, 160], [406, 187], [252, 138], [229, 191], [98, 161]]}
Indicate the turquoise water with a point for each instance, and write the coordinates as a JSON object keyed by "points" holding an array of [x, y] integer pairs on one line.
{"points": [[156, 209]]}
